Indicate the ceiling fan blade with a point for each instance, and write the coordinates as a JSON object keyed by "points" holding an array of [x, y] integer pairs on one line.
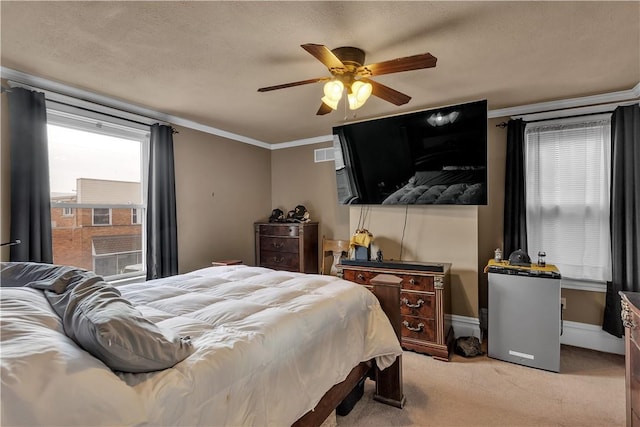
{"points": [[292, 84], [324, 109], [408, 63], [388, 94], [324, 55]]}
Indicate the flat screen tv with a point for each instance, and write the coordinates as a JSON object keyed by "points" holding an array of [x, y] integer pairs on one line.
{"points": [[436, 156]]}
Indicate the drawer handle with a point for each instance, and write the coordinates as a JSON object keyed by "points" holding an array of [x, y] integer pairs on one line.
{"points": [[278, 260], [412, 281], [277, 245], [360, 277], [420, 327], [627, 316], [418, 303]]}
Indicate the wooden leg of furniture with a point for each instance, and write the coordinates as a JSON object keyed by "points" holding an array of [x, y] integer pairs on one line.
{"points": [[333, 397], [387, 288]]}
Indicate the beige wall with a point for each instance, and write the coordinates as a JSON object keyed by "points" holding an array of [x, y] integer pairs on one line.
{"points": [[432, 234], [297, 180], [222, 188], [463, 235], [247, 182], [490, 221]]}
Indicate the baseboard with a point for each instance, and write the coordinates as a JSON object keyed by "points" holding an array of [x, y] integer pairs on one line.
{"points": [[590, 336], [464, 326], [577, 334]]}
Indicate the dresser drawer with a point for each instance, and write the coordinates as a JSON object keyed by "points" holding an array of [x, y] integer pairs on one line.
{"points": [[279, 230], [280, 260], [414, 282], [417, 328], [279, 244], [417, 304], [360, 277], [410, 282]]}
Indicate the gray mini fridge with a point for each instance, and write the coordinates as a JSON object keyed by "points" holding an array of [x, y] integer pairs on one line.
{"points": [[525, 317]]}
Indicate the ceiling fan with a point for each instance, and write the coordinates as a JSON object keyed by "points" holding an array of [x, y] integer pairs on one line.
{"points": [[347, 71]]}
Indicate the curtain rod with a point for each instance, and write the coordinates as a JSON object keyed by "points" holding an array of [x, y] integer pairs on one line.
{"points": [[587, 110], [4, 89], [52, 95], [575, 111], [99, 112]]}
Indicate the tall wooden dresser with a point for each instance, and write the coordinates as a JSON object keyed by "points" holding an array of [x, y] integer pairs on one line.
{"points": [[287, 246], [631, 321], [425, 300]]}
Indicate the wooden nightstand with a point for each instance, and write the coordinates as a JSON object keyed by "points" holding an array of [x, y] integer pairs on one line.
{"points": [[425, 301], [226, 262]]}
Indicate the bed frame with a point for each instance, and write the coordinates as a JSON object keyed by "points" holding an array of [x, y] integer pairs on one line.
{"points": [[388, 382]]}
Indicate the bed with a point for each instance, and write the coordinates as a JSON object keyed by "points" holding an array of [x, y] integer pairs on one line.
{"points": [[447, 186], [230, 345]]}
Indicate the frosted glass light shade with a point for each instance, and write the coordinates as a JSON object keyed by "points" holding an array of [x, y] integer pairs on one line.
{"points": [[360, 92], [333, 93]]}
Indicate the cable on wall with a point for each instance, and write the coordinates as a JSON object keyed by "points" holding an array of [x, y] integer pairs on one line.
{"points": [[404, 227]]}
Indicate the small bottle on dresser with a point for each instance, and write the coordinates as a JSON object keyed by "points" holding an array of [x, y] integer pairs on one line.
{"points": [[541, 259]]}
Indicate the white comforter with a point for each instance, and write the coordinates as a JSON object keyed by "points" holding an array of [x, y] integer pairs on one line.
{"points": [[268, 344]]}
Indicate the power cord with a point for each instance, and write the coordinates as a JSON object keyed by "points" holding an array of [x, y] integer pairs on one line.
{"points": [[406, 211]]}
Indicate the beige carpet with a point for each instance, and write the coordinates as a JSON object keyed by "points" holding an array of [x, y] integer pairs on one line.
{"points": [[480, 391]]}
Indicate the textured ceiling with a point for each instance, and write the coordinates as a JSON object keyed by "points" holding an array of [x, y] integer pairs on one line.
{"points": [[204, 61]]}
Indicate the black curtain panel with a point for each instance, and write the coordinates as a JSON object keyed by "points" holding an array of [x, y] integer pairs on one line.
{"points": [[30, 196], [162, 234], [515, 209], [625, 213]]}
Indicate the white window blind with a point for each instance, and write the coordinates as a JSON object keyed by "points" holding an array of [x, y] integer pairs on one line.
{"points": [[567, 165]]}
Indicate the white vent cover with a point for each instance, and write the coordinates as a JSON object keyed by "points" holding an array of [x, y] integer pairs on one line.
{"points": [[323, 155]]}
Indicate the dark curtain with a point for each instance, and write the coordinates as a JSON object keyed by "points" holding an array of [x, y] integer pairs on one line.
{"points": [[162, 235], [625, 213], [515, 209], [30, 196]]}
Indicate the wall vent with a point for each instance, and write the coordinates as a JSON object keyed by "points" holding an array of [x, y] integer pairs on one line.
{"points": [[323, 155]]}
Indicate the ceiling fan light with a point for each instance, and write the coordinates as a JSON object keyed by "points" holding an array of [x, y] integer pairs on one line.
{"points": [[333, 90], [333, 103], [353, 102], [360, 92]]}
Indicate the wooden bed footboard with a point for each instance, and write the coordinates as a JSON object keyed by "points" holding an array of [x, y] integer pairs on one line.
{"points": [[388, 382], [333, 397]]}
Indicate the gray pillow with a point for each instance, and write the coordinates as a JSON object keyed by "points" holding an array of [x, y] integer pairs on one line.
{"points": [[98, 319], [37, 275], [110, 328]]}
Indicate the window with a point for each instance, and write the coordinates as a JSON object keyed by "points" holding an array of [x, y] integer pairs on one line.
{"points": [[567, 165], [101, 216], [135, 216], [97, 170]]}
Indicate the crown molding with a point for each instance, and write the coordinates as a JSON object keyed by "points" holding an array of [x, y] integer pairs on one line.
{"points": [[305, 141], [61, 92], [562, 104], [98, 101], [602, 102]]}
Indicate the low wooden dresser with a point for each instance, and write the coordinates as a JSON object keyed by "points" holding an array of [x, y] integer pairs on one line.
{"points": [[425, 301], [287, 246], [631, 321]]}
